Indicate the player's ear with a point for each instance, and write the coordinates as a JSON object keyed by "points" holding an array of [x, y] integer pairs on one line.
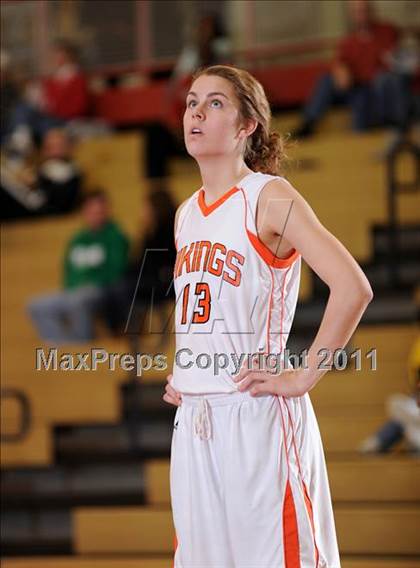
{"points": [[247, 127]]}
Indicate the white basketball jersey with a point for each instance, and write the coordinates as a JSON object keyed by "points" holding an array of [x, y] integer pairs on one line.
{"points": [[233, 295]]}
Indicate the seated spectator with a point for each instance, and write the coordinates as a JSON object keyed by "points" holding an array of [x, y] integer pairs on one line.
{"points": [[10, 93], [210, 45], [403, 415], [95, 258], [361, 58], [148, 279], [396, 103], [51, 188], [59, 98], [58, 177], [65, 92]]}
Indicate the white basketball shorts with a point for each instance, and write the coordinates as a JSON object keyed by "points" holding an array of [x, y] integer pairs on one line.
{"points": [[249, 486]]}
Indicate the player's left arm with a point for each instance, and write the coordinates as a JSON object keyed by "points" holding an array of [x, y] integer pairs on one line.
{"points": [[290, 216]]}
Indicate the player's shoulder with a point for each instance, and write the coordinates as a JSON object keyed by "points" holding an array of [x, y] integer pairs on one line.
{"points": [[277, 200], [278, 187]]}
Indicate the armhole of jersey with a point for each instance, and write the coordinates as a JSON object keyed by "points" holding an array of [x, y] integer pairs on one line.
{"points": [[261, 249]]}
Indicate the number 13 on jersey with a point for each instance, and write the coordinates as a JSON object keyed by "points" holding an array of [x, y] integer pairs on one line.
{"points": [[202, 313]]}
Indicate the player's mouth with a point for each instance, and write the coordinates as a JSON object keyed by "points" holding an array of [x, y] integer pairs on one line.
{"points": [[196, 131]]}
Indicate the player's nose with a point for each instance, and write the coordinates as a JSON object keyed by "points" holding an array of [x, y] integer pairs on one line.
{"points": [[198, 113]]}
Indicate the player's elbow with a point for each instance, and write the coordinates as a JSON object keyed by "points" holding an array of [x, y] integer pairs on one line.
{"points": [[368, 293], [365, 290], [357, 292], [363, 293]]}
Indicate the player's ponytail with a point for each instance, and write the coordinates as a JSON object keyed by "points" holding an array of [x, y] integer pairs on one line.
{"points": [[265, 149]]}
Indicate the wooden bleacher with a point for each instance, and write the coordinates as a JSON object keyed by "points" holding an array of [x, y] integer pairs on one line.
{"points": [[143, 530], [379, 478], [85, 397], [375, 499]]}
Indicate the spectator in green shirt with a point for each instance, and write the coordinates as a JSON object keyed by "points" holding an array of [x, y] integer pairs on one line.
{"points": [[95, 258]]}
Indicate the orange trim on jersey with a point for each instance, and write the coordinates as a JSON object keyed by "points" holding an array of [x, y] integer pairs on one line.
{"points": [[307, 499], [270, 305], [207, 209], [310, 511], [268, 256], [282, 310], [265, 253], [290, 530], [175, 548], [290, 525]]}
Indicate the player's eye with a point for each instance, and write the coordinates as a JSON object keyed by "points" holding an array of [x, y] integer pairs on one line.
{"points": [[215, 103], [191, 103]]}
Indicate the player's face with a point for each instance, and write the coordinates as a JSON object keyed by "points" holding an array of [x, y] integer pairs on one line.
{"points": [[211, 118]]}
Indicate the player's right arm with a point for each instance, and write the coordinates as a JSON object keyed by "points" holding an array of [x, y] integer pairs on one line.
{"points": [[171, 395]]}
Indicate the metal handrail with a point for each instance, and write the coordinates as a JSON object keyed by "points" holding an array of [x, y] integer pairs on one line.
{"points": [[395, 187], [26, 415]]}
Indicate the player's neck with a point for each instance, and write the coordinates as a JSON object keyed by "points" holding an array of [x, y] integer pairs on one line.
{"points": [[220, 176]]}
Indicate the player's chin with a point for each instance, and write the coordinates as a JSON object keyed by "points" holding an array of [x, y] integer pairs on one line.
{"points": [[196, 150]]}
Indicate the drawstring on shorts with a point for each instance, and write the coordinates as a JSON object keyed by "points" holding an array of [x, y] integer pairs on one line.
{"points": [[202, 408], [202, 422]]}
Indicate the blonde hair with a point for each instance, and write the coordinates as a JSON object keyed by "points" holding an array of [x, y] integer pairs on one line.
{"points": [[265, 149]]}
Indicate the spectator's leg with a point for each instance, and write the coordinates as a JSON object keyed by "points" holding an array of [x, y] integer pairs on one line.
{"points": [[117, 303], [384, 439], [323, 96], [20, 129], [321, 99], [68, 316], [45, 122], [82, 306], [23, 114], [361, 102], [414, 108], [27, 118], [393, 92], [380, 93], [48, 314], [391, 433]]}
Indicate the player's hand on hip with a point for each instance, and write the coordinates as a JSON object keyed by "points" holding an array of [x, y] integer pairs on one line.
{"points": [[171, 396], [288, 383]]}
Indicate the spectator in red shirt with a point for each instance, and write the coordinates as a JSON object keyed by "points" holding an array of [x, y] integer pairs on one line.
{"points": [[52, 102], [65, 90], [361, 58]]}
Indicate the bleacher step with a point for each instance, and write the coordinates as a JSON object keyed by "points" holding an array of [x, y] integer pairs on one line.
{"points": [[407, 239], [366, 529], [109, 484], [89, 444], [379, 478]]}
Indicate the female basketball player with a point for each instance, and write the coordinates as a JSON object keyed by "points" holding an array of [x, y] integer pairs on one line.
{"points": [[249, 486]]}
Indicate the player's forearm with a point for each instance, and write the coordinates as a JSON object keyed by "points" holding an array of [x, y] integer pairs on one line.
{"points": [[342, 315]]}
